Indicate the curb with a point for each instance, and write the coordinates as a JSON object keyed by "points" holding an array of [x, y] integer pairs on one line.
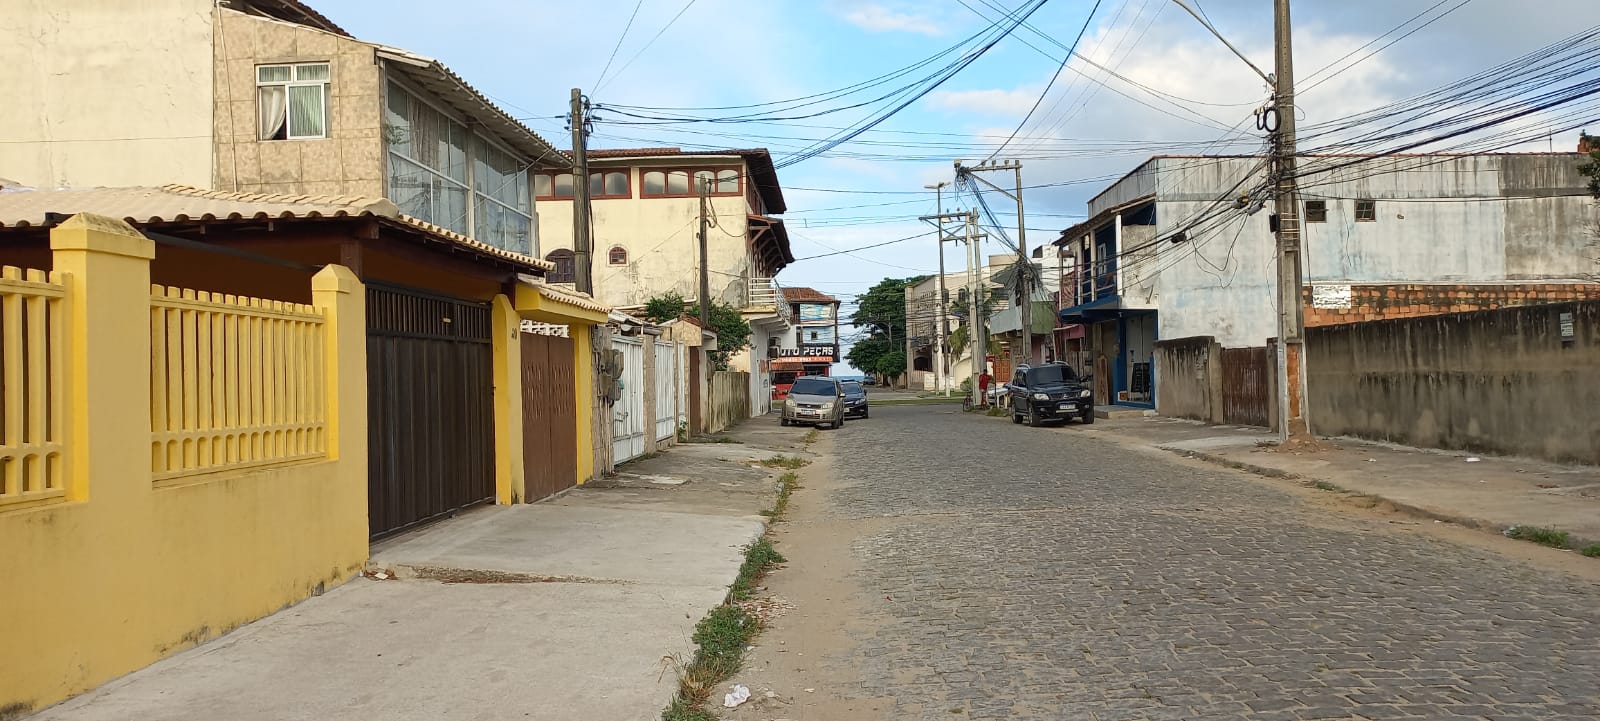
{"points": [[1477, 524]]}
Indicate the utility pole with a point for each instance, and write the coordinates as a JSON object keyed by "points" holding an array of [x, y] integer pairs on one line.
{"points": [[581, 243], [1025, 300], [975, 339], [705, 271], [1291, 316], [941, 328]]}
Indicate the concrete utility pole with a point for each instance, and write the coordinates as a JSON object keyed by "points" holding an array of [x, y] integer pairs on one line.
{"points": [[1025, 302], [1291, 315], [941, 328], [705, 271], [583, 274], [975, 340]]}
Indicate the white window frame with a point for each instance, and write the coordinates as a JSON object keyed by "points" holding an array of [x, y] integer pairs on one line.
{"points": [[295, 81]]}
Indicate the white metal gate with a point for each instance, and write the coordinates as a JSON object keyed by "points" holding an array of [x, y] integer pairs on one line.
{"points": [[667, 373], [627, 414]]}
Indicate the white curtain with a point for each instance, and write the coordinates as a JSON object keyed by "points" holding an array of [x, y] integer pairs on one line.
{"points": [[306, 111], [270, 102]]}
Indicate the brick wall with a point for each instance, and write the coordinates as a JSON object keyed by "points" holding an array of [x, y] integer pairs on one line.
{"points": [[1382, 302]]}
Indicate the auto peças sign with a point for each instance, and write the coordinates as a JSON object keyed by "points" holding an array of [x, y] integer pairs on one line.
{"points": [[813, 353]]}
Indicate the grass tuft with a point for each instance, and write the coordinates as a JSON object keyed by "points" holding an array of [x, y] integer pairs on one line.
{"points": [[997, 412], [786, 485], [720, 640], [1326, 486], [811, 436], [782, 461], [1592, 550], [1542, 536]]}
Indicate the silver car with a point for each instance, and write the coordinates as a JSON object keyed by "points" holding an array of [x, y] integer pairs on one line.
{"points": [[814, 401]]}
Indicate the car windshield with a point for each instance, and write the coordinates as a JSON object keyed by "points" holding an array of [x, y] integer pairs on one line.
{"points": [[812, 387], [1044, 375], [853, 388]]}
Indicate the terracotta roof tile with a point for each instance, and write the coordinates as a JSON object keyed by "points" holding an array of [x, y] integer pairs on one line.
{"points": [[807, 295], [182, 203]]}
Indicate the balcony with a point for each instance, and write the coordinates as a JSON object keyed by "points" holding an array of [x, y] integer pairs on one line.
{"points": [[764, 296]]}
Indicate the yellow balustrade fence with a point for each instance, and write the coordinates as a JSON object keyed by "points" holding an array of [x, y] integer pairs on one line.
{"points": [[235, 382], [33, 376]]}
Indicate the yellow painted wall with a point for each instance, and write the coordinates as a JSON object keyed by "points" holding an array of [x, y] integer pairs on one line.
{"points": [[510, 484], [117, 93], [124, 573], [583, 395]]}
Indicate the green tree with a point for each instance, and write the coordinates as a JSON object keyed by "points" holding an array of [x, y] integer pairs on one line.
{"points": [[1591, 169], [882, 312], [733, 331]]}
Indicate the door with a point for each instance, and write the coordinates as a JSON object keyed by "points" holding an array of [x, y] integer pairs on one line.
{"points": [[1141, 357], [430, 403], [628, 420], [666, 420], [1246, 373], [549, 416]]}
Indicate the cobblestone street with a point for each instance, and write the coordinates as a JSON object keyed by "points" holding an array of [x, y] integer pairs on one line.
{"points": [[1002, 572]]}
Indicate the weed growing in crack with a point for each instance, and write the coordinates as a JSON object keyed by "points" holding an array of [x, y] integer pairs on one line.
{"points": [[782, 461], [1542, 536], [720, 640]]}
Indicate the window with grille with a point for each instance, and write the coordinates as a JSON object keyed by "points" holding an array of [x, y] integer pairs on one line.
{"points": [[292, 101], [1366, 210], [1316, 211], [618, 255]]}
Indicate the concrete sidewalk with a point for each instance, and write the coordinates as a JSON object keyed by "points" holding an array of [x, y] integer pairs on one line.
{"points": [[1490, 493], [558, 610]]}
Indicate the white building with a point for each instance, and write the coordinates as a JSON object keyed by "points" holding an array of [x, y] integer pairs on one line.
{"points": [[1167, 252]]}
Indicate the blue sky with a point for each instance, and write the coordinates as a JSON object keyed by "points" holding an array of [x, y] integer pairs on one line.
{"points": [[527, 55]]}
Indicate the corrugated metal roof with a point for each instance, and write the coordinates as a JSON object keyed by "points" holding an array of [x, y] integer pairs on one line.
{"points": [[171, 204], [455, 90]]}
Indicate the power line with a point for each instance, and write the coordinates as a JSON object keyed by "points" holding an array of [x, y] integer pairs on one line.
{"points": [[647, 45], [618, 46], [1052, 83]]}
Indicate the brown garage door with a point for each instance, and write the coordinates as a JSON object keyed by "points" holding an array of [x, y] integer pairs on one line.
{"points": [[1245, 375], [549, 415], [430, 400]]}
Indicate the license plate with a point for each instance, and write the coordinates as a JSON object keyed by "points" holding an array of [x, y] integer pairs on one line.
{"points": [[1068, 406], [808, 413]]}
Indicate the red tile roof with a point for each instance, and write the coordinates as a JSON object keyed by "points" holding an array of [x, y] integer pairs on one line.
{"points": [[807, 295]]}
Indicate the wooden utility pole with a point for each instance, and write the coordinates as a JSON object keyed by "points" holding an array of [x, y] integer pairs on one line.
{"points": [[1292, 426], [975, 334], [583, 273], [705, 271]]}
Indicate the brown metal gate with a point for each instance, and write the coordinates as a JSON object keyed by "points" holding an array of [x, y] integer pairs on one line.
{"points": [[549, 416], [430, 423], [1246, 374]]}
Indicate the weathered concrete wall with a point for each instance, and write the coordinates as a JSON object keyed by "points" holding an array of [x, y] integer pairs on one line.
{"points": [[1335, 304], [1504, 381], [1466, 221], [106, 92], [729, 400], [1190, 373], [347, 162]]}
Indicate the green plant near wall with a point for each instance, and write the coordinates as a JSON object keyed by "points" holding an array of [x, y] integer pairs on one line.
{"points": [[733, 331]]}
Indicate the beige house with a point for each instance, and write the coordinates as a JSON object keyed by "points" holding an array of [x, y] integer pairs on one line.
{"points": [[257, 96], [646, 216]]}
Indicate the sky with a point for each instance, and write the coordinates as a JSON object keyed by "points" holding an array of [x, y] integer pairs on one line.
{"points": [[1179, 89]]}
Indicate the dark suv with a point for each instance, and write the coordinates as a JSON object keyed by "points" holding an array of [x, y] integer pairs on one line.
{"points": [[1049, 392]]}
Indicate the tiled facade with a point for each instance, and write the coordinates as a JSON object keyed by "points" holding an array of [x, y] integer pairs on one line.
{"points": [[1382, 302]]}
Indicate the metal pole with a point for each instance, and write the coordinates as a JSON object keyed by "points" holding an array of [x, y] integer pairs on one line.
{"points": [[941, 326], [705, 271], [1291, 315], [975, 341], [581, 243], [1027, 275]]}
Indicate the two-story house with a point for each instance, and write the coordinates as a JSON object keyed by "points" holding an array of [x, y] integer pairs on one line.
{"points": [[1170, 251], [813, 347], [258, 96], [645, 214]]}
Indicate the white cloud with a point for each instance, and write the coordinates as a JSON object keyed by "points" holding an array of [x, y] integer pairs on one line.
{"points": [[992, 101], [880, 19]]}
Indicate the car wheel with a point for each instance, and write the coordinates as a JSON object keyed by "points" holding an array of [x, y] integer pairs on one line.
{"points": [[864, 413], [1088, 416], [783, 421], [1033, 416], [1015, 416]]}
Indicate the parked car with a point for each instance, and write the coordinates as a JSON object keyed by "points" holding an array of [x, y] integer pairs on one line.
{"points": [[1049, 392], [855, 400], [814, 401], [869, 381]]}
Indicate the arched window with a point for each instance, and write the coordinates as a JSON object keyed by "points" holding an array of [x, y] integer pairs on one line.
{"points": [[612, 184], [566, 268], [655, 182], [727, 181], [618, 255]]}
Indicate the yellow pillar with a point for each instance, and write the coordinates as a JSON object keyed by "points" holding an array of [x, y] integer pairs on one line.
{"points": [[509, 478], [109, 263], [583, 396], [342, 298]]}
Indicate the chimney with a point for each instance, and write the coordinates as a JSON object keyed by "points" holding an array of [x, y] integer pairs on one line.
{"points": [[1587, 143]]}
